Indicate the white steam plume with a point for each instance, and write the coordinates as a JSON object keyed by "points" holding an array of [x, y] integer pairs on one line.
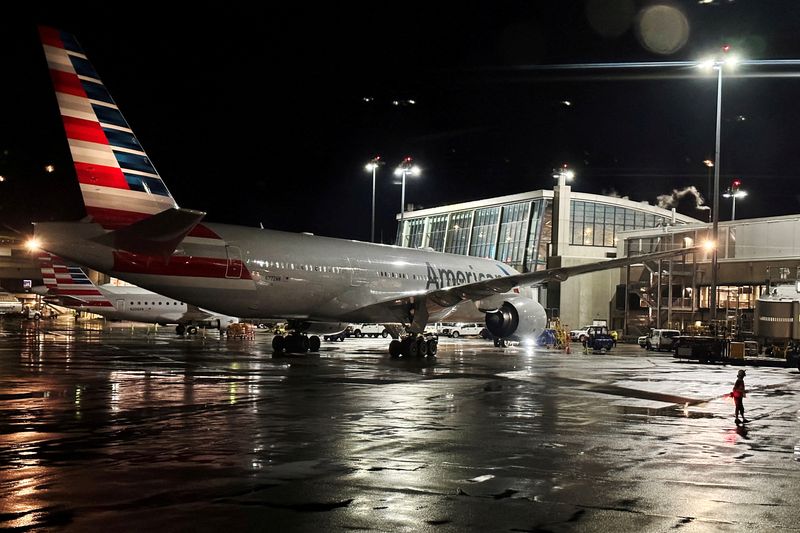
{"points": [[668, 201]]}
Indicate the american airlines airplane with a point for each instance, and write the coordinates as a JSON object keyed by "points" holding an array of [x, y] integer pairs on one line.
{"points": [[123, 302], [135, 231]]}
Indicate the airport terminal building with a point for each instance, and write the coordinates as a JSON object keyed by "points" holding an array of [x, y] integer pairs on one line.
{"points": [[543, 229]]}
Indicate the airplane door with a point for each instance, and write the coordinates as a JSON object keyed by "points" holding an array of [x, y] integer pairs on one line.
{"points": [[120, 305], [357, 272], [234, 267]]}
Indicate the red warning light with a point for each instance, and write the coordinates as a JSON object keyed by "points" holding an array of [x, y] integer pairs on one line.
{"points": [[726, 48], [735, 184]]}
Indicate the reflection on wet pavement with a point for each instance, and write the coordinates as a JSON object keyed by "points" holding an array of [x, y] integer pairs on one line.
{"points": [[146, 430]]}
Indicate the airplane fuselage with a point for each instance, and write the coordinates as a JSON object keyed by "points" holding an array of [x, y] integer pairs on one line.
{"points": [[250, 272]]}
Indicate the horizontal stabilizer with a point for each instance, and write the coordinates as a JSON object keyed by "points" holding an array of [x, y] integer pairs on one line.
{"points": [[157, 235]]}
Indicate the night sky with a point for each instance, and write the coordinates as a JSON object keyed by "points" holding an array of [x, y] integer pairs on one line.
{"points": [[268, 114]]}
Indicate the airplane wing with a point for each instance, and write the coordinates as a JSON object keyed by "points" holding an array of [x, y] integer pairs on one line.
{"points": [[482, 289]]}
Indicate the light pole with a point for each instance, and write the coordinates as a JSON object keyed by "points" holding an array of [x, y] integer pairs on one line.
{"points": [[405, 168], [734, 192], [372, 166], [710, 164], [717, 63]]}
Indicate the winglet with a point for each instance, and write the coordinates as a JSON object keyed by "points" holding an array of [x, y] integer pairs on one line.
{"points": [[157, 235]]}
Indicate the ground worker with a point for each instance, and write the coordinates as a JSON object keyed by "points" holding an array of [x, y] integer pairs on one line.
{"points": [[738, 394]]}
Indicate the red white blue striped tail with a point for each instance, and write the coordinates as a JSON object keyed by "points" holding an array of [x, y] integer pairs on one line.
{"points": [[118, 182], [70, 282]]}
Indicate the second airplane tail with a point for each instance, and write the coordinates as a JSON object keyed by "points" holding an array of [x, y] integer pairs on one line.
{"points": [[70, 282]]}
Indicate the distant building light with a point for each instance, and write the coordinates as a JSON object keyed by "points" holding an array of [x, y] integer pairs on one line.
{"points": [[49, 169]]}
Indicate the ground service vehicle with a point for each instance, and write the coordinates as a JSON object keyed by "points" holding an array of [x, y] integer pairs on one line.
{"points": [[661, 339], [777, 315], [597, 339]]}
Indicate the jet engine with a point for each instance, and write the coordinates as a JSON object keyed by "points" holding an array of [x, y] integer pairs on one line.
{"points": [[518, 317]]}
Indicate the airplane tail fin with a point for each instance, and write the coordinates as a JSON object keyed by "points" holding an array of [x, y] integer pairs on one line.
{"points": [[70, 282], [118, 182]]}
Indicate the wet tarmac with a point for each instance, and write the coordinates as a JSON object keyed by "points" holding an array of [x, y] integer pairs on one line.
{"points": [[126, 429]]}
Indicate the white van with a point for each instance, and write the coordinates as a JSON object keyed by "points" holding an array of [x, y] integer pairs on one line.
{"points": [[661, 339]]}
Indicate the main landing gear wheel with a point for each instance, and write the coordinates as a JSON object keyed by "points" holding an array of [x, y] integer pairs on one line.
{"points": [[180, 329], [295, 343], [413, 346], [433, 347]]}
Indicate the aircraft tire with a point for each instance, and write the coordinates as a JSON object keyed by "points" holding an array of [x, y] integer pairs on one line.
{"points": [[422, 347], [192, 330], [410, 347], [278, 343], [313, 343], [180, 329], [395, 349], [433, 347]]}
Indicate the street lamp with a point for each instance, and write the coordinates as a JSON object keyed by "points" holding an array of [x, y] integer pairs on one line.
{"points": [[372, 166], [563, 174], [734, 192], [405, 168], [723, 59]]}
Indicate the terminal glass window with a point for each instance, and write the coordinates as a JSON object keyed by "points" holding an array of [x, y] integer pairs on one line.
{"points": [[415, 229], [595, 224], [534, 232], [458, 233], [543, 224], [484, 232], [513, 232], [436, 229]]}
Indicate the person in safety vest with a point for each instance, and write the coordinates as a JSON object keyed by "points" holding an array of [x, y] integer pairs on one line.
{"points": [[738, 394]]}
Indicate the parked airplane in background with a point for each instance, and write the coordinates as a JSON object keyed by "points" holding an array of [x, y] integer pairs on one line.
{"points": [[136, 232], [123, 302], [9, 303]]}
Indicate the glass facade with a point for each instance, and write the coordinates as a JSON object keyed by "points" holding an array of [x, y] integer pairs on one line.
{"points": [[437, 226], [416, 228], [483, 242], [520, 233], [597, 224], [513, 233], [458, 233]]}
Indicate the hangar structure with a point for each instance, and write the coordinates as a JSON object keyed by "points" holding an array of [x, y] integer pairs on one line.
{"points": [[543, 229]]}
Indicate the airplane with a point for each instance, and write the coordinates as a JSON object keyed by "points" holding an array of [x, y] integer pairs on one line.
{"points": [[123, 302], [134, 230], [9, 303]]}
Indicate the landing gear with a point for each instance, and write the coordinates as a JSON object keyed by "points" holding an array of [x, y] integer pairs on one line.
{"points": [[180, 329], [295, 343], [413, 346]]}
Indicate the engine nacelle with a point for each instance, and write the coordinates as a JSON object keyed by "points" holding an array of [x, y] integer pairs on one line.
{"points": [[517, 318]]}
